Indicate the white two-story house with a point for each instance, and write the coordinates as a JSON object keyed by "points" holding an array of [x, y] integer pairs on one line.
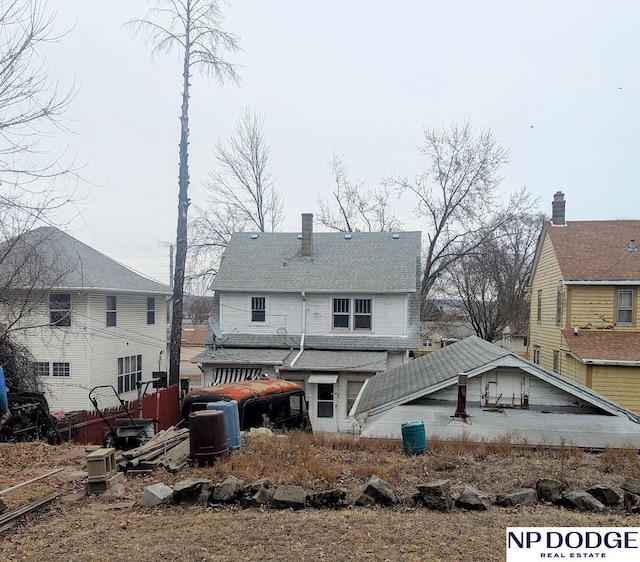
{"points": [[86, 319], [327, 310]]}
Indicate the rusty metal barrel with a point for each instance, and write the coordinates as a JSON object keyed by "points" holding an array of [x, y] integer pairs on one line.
{"points": [[207, 437]]}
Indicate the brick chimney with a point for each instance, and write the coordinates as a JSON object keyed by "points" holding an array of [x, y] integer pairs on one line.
{"points": [[557, 209], [307, 234]]}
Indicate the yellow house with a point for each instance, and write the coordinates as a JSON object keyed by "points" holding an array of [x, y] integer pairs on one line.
{"points": [[585, 322]]}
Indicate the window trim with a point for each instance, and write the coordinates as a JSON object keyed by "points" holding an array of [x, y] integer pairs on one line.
{"points": [[112, 311], [125, 381], [151, 310], [539, 307], [255, 310], [556, 361], [630, 308], [60, 314], [351, 314]]}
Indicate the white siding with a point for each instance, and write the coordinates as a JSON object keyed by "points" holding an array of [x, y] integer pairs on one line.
{"points": [[284, 311], [92, 349]]}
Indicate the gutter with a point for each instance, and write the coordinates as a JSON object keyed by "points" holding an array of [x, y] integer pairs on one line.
{"points": [[304, 329]]}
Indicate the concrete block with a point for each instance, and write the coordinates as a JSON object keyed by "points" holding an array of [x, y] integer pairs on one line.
{"points": [[156, 494]]}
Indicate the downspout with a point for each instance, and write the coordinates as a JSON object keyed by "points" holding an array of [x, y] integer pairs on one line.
{"points": [[304, 328]]}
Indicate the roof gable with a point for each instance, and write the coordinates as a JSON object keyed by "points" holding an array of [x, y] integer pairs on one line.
{"points": [[596, 250], [471, 356], [360, 262], [62, 262]]}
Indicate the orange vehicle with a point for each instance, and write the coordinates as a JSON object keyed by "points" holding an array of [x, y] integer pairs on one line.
{"points": [[273, 402]]}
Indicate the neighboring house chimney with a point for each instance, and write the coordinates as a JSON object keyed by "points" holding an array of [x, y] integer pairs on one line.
{"points": [[557, 213], [307, 234]]}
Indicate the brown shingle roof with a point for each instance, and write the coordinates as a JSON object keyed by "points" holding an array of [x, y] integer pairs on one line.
{"points": [[596, 250], [604, 345]]}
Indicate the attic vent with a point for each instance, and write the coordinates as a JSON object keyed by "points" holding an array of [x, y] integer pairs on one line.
{"points": [[254, 236], [299, 236], [395, 235], [632, 245], [347, 236]]}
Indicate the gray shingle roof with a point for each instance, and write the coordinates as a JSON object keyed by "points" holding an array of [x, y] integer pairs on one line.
{"points": [[368, 262], [242, 356], [354, 361], [70, 264], [427, 371], [470, 356]]}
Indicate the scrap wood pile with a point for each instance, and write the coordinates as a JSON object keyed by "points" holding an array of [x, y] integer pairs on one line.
{"points": [[167, 449]]}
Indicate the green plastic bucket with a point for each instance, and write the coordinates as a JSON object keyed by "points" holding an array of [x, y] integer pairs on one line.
{"points": [[414, 439]]}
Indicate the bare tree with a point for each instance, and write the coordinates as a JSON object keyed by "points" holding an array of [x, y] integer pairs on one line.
{"points": [[457, 196], [193, 29], [490, 283], [354, 207], [35, 174], [240, 194]]}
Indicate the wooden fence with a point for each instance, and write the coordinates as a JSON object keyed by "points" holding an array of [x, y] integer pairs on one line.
{"points": [[88, 427]]}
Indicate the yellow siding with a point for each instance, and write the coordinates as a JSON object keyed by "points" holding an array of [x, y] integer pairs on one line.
{"points": [[620, 384], [548, 279], [592, 305]]}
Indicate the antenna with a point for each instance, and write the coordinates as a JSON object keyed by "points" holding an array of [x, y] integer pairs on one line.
{"points": [[215, 330]]}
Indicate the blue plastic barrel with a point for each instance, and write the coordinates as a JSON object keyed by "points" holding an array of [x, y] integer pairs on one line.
{"points": [[231, 420], [414, 439]]}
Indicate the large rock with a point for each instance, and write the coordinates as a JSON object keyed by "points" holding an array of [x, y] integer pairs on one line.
{"points": [[473, 499], [115, 493], [156, 494], [550, 490], [604, 494], [189, 489], [376, 492], [328, 499], [435, 495], [261, 498], [631, 502], [289, 497], [631, 485], [228, 491], [580, 501], [521, 496]]}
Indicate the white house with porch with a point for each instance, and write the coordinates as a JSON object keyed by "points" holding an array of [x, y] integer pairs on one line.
{"points": [[328, 310]]}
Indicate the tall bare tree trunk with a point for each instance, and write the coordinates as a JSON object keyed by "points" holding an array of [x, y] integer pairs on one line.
{"points": [[181, 233]]}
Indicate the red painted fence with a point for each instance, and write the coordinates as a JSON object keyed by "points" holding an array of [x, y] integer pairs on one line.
{"points": [[89, 428]]}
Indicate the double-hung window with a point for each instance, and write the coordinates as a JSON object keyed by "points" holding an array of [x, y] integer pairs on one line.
{"points": [[129, 372], [151, 310], [60, 309], [624, 312], [258, 309], [112, 307], [352, 314]]}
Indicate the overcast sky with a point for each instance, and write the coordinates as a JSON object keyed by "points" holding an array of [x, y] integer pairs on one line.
{"points": [[558, 82]]}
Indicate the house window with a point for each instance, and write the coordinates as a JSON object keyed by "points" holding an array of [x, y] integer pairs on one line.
{"points": [[129, 372], [539, 309], [60, 309], [624, 313], [61, 370], [42, 369], [342, 314], [151, 310], [536, 355], [362, 314], [559, 308], [258, 309], [525, 341], [111, 311], [353, 388], [325, 400], [556, 361]]}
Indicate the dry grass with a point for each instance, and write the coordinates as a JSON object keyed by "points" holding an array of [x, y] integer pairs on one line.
{"points": [[91, 529]]}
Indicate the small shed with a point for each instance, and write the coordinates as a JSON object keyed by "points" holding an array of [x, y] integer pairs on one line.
{"points": [[479, 390]]}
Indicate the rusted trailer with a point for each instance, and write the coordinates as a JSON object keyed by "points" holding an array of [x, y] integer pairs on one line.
{"points": [[277, 404]]}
